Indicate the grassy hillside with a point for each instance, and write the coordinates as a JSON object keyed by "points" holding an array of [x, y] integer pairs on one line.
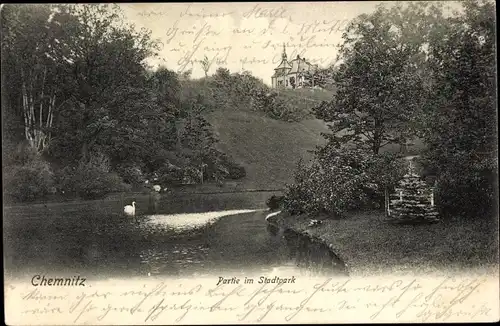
{"points": [[306, 95], [268, 149]]}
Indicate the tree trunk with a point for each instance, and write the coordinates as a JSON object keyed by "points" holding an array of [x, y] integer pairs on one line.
{"points": [[387, 208], [3, 94], [85, 152], [39, 131], [48, 124], [35, 123], [26, 114], [376, 145], [377, 136]]}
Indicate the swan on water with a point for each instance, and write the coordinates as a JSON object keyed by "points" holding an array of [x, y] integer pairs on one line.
{"points": [[130, 209]]}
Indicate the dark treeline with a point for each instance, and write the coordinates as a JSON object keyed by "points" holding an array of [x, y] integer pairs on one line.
{"points": [[84, 114]]}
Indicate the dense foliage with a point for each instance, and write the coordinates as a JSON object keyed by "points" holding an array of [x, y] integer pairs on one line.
{"points": [[29, 177], [462, 118], [76, 88], [408, 71], [341, 179], [242, 91]]}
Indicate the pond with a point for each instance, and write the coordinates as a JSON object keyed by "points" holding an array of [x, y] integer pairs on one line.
{"points": [[92, 239]]}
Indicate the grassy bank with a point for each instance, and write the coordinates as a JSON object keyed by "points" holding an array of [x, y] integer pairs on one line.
{"points": [[268, 149], [369, 245]]}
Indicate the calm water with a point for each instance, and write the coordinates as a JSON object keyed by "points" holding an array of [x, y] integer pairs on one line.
{"points": [[92, 238]]}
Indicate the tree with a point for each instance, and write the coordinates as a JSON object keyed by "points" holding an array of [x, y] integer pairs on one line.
{"points": [[321, 77], [380, 83], [65, 66], [461, 117], [205, 65], [222, 84], [106, 88], [35, 59], [75, 77], [186, 75]]}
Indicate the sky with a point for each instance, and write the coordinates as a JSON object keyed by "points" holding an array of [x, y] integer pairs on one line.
{"points": [[246, 35]]}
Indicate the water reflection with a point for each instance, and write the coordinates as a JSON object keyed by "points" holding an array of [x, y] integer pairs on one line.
{"points": [[239, 242], [183, 222], [92, 242], [311, 256]]}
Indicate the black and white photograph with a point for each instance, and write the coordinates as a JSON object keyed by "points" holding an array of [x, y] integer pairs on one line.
{"points": [[250, 162]]}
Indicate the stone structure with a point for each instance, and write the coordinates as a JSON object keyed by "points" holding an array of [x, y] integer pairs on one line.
{"points": [[413, 200], [291, 74]]}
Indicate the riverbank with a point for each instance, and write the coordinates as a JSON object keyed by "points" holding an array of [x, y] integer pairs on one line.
{"points": [[207, 189], [167, 203], [368, 245]]}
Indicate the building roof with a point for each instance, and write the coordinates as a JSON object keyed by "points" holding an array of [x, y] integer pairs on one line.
{"points": [[297, 65], [282, 69], [300, 64], [283, 65]]}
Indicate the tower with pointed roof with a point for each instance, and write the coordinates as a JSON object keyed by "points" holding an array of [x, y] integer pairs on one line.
{"points": [[291, 74]]}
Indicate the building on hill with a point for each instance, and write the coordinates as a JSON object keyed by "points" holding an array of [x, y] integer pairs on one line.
{"points": [[291, 74]]}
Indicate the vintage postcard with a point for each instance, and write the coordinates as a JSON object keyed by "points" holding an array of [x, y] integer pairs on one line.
{"points": [[250, 163]]}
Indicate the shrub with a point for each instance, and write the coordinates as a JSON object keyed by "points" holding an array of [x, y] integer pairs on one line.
{"points": [[468, 194], [339, 180], [90, 182], [275, 202], [465, 185], [332, 189], [277, 107], [385, 171], [64, 179], [130, 173], [170, 174], [236, 171], [20, 154], [29, 181]]}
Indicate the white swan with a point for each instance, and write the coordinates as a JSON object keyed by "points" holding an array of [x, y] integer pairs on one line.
{"points": [[157, 188], [130, 209]]}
